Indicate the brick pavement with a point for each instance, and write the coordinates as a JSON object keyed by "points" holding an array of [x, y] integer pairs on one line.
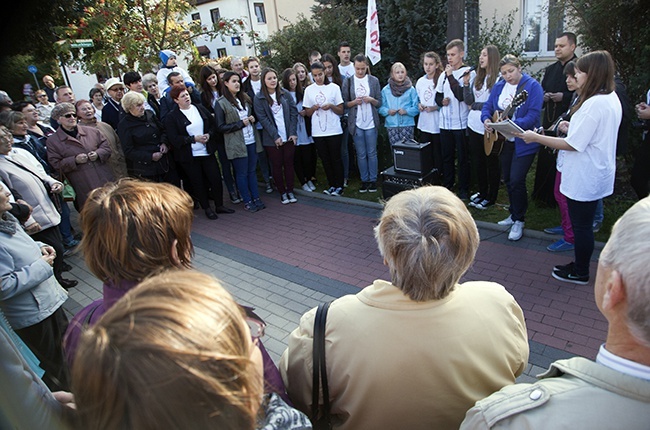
{"points": [[287, 259]]}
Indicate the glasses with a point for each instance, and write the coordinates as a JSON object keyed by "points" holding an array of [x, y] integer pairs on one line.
{"points": [[117, 90], [69, 115], [41, 95], [256, 325]]}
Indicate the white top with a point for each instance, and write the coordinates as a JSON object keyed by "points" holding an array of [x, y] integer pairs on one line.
{"points": [[474, 118], [507, 95], [278, 116], [256, 85], [364, 110], [249, 133], [324, 122], [429, 122], [454, 115], [347, 71], [194, 129], [303, 137], [588, 172], [622, 365]]}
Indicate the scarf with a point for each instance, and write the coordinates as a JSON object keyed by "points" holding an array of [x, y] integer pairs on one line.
{"points": [[72, 133], [8, 224], [398, 90]]}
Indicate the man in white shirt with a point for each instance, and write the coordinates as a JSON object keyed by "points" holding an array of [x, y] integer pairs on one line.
{"points": [[453, 119], [346, 67], [614, 391]]}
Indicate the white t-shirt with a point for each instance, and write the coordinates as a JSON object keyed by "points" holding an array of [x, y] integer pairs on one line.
{"points": [[194, 129], [278, 116], [507, 95], [474, 118], [364, 110], [256, 85], [588, 172], [324, 122], [429, 122], [454, 115], [347, 71], [303, 137], [249, 133]]}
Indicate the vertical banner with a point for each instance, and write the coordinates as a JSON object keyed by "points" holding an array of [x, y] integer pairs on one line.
{"points": [[373, 50]]}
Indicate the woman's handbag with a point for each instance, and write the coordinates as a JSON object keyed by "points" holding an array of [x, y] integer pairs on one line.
{"points": [[320, 417]]}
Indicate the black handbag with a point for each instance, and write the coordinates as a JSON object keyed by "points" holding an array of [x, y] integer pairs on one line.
{"points": [[320, 417]]}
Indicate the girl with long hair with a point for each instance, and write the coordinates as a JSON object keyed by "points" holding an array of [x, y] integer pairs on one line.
{"points": [[429, 117], [302, 73], [475, 94]]}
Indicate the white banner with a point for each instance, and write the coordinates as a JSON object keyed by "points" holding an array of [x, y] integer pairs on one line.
{"points": [[373, 50]]}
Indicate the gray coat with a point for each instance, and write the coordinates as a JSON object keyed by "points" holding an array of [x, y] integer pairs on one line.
{"points": [[348, 95], [265, 116]]}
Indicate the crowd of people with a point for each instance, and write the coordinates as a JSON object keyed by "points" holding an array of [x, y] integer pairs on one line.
{"points": [[169, 347]]}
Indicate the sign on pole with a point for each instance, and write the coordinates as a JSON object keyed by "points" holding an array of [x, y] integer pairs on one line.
{"points": [[32, 69], [373, 50]]}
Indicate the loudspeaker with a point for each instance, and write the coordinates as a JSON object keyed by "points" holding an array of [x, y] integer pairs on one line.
{"points": [[410, 156], [393, 182]]}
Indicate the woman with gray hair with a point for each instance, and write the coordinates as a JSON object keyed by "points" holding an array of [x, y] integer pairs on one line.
{"points": [[438, 344]]}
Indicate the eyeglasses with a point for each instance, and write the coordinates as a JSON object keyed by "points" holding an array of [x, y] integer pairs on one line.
{"points": [[69, 115], [117, 90], [256, 325], [41, 95]]}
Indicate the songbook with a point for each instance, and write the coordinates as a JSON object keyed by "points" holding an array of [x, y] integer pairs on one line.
{"points": [[507, 128]]}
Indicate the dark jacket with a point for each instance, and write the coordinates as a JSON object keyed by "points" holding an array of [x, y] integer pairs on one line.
{"points": [[349, 94], [176, 125], [140, 138], [112, 113], [151, 99], [167, 104], [265, 116]]}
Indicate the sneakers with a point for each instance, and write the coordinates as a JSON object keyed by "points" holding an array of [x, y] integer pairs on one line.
{"points": [[269, 188], [364, 187], [506, 222], [482, 205], [475, 198], [345, 183], [234, 198], [292, 198], [565, 268], [311, 185], [307, 188], [516, 231], [284, 199], [71, 244], [337, 192], [560, 246], [596, 226], [329, 191], [250, 207], [372, 187], [570, 275], [554, 230], [257, 202]]}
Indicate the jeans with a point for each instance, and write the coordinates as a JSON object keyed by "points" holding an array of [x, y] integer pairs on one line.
{"points": [[264, 165], [454, 142], [514, 171], [599, 216], [329, 151], [245, 174], [226, 168], [65, 227], [282, 165], [564, 209], [365, 142], [582, 219]]}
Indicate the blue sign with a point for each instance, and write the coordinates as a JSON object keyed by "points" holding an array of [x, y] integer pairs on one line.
{"points": [[32, 69]]}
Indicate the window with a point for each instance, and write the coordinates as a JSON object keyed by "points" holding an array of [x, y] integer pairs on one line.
{"points": [[196, 17], [221, 52], [215, 15], [260, 13], [543, 21], [236, 41]]}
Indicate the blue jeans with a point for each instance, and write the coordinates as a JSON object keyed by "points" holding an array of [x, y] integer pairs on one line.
{"points": [[365, 142], [226, 167], [65, 227], [514, 171], [600, 215], [582, 219], [245, 174]]}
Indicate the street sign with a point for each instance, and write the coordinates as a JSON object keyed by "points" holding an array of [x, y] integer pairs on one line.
{"points": [[32, 69], [81, 43]]}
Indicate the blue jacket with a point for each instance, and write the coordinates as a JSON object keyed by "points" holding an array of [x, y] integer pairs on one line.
{"points": [[527, 116], [407, 101]]}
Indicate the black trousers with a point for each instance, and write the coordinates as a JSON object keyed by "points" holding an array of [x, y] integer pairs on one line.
{"points": [[454, 142], [52, 236], [437, 148], [45, 339], [486, 167], [329, 151], [640, 176], [304, 163], [204, 176], [545, 178]]}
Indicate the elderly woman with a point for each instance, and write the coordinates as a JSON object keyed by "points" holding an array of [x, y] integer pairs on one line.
{"points": [[422, 347], [189, 361], [144, 140], [192, 132], [96, 97], [30, 297], [88, 118], [43, 106], [22, 172], [79, 153]]}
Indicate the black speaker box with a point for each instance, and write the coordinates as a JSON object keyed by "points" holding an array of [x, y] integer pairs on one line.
{"points": [[413, 157], [394, 182]]}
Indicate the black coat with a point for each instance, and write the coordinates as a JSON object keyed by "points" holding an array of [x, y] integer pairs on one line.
{"points": [[176, 125], [141, 137]]}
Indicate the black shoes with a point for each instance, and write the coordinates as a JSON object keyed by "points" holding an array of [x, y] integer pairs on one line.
{"points": [[224, 210], [211, 214], [68, 283]]}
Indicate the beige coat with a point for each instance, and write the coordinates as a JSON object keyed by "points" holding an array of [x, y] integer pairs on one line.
{"points": [[117, 162], [393, 363], [573, 394]]}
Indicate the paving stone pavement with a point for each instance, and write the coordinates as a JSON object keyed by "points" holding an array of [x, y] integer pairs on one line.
{"points": [[287, 259]]}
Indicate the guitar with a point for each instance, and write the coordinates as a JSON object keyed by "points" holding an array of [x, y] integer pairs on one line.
{"points": [[492, 137]]}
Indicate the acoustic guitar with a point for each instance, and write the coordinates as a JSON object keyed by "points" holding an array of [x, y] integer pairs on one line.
{"points": [[493, 141]]}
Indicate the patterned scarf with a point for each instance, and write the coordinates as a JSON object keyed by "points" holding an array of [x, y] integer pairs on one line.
{"points": [[399, 89], [8, 224]]}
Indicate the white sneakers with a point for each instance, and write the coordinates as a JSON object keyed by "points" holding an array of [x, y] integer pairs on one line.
{"points": [[506, 222], [516, 231]]}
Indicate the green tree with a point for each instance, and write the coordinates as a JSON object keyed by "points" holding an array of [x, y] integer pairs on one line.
{"points": [[126, 32]]}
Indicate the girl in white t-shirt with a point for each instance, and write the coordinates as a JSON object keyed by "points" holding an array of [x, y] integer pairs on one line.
{"points": [[429, 118], [587, 156]]}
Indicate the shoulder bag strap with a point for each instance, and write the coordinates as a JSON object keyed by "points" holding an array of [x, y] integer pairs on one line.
{"points": [[319, 364]]}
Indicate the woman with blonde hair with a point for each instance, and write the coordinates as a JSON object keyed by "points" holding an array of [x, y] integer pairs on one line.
{"points": [[302, 73], [399, 104], [176, 352]]}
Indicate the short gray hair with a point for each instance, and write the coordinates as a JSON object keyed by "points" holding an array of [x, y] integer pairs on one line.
{"points": [[428, 239], [148, 79], [627, 252], [131, 99], [62, 109]]}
